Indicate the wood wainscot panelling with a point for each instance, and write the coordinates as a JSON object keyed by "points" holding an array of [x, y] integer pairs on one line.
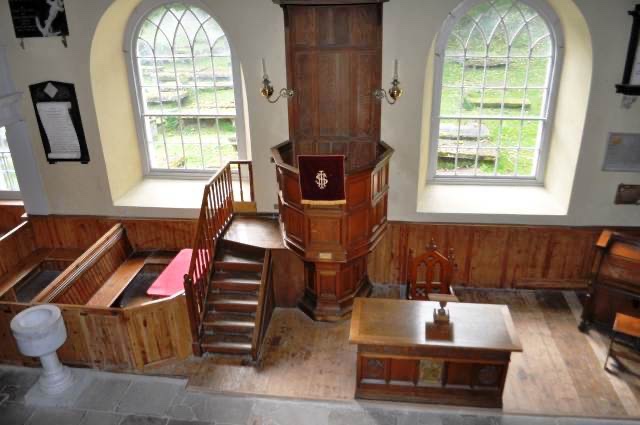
{"points": [[144, 234], [492, 256], [11, 213]]}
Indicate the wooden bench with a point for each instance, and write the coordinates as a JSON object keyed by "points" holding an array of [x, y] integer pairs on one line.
{"points": [[117, 283]]}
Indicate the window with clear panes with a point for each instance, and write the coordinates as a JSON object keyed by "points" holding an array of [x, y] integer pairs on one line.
{"points": [[494, 74], [186, 92], [8, 180]]}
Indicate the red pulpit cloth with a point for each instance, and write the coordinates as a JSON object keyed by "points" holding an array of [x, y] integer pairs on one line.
{"points": [[322, 179]]}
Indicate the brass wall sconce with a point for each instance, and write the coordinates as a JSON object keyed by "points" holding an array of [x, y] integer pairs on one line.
{"points": [[267, 89], [394, 92]]}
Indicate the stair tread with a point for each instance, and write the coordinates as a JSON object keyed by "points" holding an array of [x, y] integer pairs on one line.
{"points": [[212, 316], [238, 276], [244, 346], [234, 257], [237, 252], [231, 323], [230, 300], [216, 342], [243, 324]]}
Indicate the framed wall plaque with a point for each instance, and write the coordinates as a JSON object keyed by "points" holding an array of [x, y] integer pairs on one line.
{"points": [[631, 80], [623, 153], [38, 18], [58, 116]]}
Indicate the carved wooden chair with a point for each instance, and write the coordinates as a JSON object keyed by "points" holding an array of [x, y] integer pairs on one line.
{"points": [[430, 273]]}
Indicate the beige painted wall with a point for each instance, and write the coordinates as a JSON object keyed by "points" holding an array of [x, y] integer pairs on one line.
{"points": [[255, 28], [110, 85]]}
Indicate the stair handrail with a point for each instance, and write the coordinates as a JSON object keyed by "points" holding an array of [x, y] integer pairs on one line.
{"points": [[216, 213], [265, 307]]}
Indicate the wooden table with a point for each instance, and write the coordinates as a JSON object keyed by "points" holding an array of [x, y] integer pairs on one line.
{"points": [[396, 361]]}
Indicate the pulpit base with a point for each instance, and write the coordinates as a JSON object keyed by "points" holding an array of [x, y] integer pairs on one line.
{"points": [[328, 307]]}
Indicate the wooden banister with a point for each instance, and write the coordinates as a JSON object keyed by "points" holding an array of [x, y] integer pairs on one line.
{"points": [[266, 305], [216, 213]]}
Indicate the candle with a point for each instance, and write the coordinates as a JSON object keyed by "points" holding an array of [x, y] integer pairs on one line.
{"points": [[264, 69], [395, 69]]}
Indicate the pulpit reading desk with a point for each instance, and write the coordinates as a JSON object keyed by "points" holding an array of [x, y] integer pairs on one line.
{"points": [[397, 362]]}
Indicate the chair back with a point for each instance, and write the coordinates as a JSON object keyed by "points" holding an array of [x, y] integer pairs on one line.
{"points": [[429, 273]]}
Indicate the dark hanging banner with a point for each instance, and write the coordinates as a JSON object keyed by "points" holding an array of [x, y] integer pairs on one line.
{"points": [[38, 18]]}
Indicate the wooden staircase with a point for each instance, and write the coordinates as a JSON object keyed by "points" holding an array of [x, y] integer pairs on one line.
{"points": [[232, 301], [228, 289]]}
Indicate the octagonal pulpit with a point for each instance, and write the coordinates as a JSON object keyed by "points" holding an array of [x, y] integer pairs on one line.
{"points": [[334, 61]]}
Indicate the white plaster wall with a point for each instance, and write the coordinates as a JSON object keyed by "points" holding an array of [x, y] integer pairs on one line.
{"points": [[255, 27]]}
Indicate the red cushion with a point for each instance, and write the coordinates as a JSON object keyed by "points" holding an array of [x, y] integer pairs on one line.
{"points": [[171, 280]]}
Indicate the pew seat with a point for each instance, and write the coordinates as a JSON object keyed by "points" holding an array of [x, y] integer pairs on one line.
{"points": [[171, 280], [117, 283]]}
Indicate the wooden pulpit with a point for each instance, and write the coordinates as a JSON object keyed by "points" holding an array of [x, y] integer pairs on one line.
{"points": [[334, 60]]}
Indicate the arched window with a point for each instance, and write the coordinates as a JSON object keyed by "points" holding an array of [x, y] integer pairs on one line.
{"points": [[8, 181], [495, 80], [186, 97]]}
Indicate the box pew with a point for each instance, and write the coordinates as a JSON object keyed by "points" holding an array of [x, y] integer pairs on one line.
{"points": [[86, 276], [105, 271], [116, 339], [25, 266], [112, 324]]}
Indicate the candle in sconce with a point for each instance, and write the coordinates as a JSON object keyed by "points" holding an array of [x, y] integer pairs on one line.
{"points": [[264, 69], [395, 69]]}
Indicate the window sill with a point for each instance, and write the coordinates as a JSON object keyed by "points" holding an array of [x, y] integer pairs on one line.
{"points": [[490, 200], [154, 197], [10, 196]]}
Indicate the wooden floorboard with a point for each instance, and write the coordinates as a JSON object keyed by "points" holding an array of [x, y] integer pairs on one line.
{"points": [[559, 373]]}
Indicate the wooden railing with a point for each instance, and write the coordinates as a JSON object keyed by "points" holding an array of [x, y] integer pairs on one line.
{"points": [[227, 186], [266, 305]]}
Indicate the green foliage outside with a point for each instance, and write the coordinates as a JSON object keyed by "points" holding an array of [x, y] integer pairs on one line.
{"points": [[468, 102], [508, 79]]}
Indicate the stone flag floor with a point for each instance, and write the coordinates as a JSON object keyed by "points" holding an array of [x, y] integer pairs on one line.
{"points": [[119, 399]]}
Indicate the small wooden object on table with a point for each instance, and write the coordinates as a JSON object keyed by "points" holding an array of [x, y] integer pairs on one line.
{"points": [[441, 327], [396, 360]]}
